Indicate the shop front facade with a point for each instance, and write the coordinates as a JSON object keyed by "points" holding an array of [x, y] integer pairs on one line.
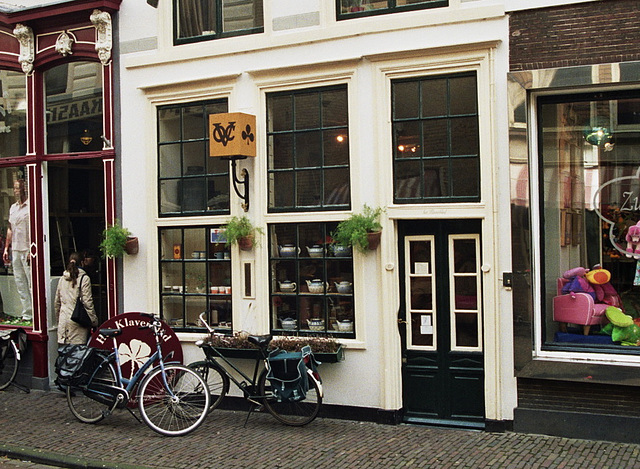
{"points": [[574, 128], [57, 157], [388, 105]]}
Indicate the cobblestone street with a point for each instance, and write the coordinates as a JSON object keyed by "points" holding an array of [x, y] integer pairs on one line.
{"points": [[39, 427]]}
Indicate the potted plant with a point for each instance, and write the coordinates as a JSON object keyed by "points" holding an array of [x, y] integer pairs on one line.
{"points": [[361, 230], [240, 230], [117, 240]]}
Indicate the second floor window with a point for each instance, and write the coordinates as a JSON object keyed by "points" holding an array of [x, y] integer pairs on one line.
{"points": [[190, 181], [197, 20], [436, 145], [352, 8], [308, 149]]}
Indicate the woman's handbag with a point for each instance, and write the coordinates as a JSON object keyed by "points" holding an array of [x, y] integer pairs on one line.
{"points": [[80, 314]]}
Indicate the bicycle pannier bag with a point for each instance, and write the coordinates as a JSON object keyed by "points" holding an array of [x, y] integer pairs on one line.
{"points": [[80, 314], [288, 376], [75, 364]]}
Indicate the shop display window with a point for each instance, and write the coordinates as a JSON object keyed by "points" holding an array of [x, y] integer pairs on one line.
{"points": [[73, 99], [13, 113], [190, 181], [308, 150], [195, 277], [355, 8], [197, 20], [436, 148], [311, 282], [589, 186]]}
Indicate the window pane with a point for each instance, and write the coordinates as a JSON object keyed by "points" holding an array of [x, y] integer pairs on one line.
{"points": [[421, 294], [406, 100], [334, 108], [589, 190], [241, 14], [196, 278], [435, 138], [307, 111], [464, 253], [318, 142], [311, 290], [466, 330], [434, 98], [73, 100], [199, 183], [12, 113]]}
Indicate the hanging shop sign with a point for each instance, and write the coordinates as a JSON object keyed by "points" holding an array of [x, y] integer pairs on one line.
{"points": [[232, 135]]}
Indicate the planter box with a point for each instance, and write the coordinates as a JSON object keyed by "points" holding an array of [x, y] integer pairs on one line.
{"points": [[253, 354]]}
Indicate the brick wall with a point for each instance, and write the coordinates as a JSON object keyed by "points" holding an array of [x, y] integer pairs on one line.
{"points": [[579, 34]]}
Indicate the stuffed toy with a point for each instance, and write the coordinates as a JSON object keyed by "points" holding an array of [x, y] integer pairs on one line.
{"points": [[577, 282], [633, 240], [605, 293], [622, 327]]}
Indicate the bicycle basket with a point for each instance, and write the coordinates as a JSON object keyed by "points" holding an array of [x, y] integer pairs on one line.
{"points": [[287, 374], [75, 364]]}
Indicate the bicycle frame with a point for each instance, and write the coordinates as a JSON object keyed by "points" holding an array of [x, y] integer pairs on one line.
{"points": [[248, 385], [124, 386]]}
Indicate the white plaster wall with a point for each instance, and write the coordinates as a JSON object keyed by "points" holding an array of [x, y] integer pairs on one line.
{"points": [[239, 67]]}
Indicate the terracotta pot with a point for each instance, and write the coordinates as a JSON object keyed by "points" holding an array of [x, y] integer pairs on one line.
{"points": [[131, 246], [245, 243], [374, 239]]}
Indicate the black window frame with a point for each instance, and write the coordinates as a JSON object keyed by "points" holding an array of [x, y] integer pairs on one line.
{"points": [[392, 8], [218, 35], [205, 177], [332, 302], [321, 167], [185, 261], [421, 158]]}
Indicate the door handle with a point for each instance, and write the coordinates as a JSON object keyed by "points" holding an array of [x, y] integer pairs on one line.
{"points": [[402, 321]]}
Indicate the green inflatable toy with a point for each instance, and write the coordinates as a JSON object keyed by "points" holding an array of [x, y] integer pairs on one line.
{"points": [[621, 327]]}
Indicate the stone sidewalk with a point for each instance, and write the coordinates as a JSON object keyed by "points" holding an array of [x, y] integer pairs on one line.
{"points": [[39, 427]]}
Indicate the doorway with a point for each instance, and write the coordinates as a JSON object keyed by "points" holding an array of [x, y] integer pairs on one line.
{"points": [[440, 322], [76, 221]]}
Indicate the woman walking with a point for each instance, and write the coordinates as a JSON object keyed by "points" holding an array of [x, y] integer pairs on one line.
{"points": [[74, 282]]}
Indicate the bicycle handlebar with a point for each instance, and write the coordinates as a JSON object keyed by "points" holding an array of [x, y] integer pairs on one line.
{"points": [[205, 323]]}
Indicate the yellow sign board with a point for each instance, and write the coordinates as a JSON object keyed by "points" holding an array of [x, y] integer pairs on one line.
{"points": [[232, 134]]}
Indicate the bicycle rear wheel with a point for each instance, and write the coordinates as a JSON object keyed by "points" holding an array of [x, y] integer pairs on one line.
{"points": [[177, 407], [217, 381], [8, 363], [295, 414], [93, 409]]}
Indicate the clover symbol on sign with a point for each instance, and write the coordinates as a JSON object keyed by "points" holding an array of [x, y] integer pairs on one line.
{"points": [[247, 134]]}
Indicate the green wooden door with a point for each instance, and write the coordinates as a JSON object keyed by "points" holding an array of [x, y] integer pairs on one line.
{"points": [[440, 322]]}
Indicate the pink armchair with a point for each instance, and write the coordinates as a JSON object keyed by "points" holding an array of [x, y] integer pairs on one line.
{"points": [[577, 308]]}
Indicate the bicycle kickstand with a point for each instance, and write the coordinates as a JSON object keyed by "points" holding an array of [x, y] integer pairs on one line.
{"points": [[134, 415]]}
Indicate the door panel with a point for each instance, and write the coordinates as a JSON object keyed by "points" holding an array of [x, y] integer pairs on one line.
{"points": [[441, 322]]}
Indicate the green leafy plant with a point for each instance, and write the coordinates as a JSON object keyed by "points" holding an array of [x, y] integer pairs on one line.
{"points": [[239, 229], [114, 240], [354, 230]]}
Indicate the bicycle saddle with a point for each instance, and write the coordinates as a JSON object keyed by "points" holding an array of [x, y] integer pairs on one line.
{"points": [[260, 340], [110, 332]]}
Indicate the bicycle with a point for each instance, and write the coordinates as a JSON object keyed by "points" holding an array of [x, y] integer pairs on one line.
{"points": [[172, 399], [257, 389], [11, 343]]}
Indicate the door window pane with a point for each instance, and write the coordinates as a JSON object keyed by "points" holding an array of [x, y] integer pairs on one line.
{"points": [[464, 271], [420, 287], [73, 100]]}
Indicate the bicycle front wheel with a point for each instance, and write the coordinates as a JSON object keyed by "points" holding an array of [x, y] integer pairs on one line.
{"points": [[93, 402], [295, 414], [8, 363], [174, 402], [217, 381]]}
